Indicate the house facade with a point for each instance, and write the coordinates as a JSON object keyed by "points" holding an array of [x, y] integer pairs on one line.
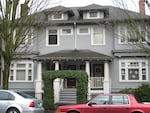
{"points": [[97, 39]]}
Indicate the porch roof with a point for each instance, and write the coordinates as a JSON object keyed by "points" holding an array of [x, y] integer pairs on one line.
{"points": [[73, 55]]}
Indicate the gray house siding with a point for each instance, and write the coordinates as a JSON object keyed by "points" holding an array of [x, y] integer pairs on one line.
{"points": [[111, 48], [68, 42]]}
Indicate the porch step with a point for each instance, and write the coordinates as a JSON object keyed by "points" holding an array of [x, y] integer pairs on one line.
{"points": [[68, 96]]}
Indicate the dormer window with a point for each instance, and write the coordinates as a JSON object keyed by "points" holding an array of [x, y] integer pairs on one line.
{"points": [[93, 15], [58, 16]]}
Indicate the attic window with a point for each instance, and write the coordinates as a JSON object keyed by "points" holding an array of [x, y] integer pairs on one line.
{"points": [[93, 15], [57, 16]]}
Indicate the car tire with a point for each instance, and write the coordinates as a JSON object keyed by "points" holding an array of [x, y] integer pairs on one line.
{"points": [[13, 110]]}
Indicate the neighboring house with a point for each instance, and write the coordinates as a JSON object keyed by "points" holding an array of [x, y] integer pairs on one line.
{"points": [[91, 38]]}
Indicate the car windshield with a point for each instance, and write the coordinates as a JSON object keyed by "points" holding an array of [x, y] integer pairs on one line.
{"points": [[24, 95]]}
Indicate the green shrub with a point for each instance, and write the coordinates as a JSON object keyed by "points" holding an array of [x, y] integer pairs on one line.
{"points": [[50, 76], [141, 93]]}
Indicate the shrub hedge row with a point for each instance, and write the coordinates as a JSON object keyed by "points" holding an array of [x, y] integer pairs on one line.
{"points": [[142, 93]]}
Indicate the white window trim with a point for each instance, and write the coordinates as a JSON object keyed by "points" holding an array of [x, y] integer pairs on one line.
{"points": [[100, 14], [126, 42], [78, 31], [140, 67], [61, 33], [26, 70], [53, 17], [47, 38], [92, 43]]}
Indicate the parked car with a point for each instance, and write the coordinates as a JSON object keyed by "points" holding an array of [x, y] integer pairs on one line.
{"points": [[19, 102], [108, 103]]}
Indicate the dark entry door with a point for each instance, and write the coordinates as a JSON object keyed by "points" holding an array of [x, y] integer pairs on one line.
{"points": [[70, 82]]}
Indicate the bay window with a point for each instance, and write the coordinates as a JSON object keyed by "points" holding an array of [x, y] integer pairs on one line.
{"points": [[21, 71], [129, 34], [133, 70]]}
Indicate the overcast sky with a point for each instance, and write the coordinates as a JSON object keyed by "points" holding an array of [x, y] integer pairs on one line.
{"points": [[129, 4]]}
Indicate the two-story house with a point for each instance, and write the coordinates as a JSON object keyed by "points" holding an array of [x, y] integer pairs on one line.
{"points": [[93, 38]]}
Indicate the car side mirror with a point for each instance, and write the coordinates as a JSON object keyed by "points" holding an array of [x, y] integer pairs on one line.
{"points": [[91, 103]]}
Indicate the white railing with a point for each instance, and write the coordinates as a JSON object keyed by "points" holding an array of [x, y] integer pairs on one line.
{"points": [[96, 82]]}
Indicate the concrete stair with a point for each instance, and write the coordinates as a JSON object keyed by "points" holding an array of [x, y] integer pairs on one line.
{"points": [[68, 96]]}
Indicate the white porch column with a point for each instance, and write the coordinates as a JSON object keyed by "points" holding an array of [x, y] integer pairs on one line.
{"points": [[87, 69], [56, 84], [106, 78], [38, 81]]}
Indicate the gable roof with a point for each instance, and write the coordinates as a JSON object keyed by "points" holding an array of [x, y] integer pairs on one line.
{"points": [[91, 7]]}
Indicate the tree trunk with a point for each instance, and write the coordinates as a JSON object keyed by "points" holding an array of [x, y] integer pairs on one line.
{"points": [[6, 75]]}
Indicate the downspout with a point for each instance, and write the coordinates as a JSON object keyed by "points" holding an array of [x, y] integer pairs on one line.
{"points": [[75, 35]]}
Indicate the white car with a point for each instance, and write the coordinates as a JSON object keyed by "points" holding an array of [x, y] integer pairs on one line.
{"points": [[19, 102]]}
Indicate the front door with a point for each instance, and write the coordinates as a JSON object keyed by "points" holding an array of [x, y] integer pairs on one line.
{"points": [[70, 82], [98, 70]]}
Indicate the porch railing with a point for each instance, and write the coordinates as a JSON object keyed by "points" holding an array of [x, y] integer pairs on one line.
{"points": [[96, 82]]}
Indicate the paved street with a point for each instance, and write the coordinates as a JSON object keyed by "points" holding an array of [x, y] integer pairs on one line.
{"points": [[51, 111]]}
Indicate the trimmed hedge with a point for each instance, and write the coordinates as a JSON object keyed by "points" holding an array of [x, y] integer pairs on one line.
{"points": [[50, 76], [142, 93]]}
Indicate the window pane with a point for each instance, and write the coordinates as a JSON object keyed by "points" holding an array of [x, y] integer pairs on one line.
{"points": [[52, 39], [52, 32], [131, 35], [20, 75], [143, 77], [57, 16], [30, 65], [133, 74], [122, 34], [66, 31], [117, 100], [21, 65], [98, 36], [93, 14], [6, 96], [83, 30], [101, 100]]}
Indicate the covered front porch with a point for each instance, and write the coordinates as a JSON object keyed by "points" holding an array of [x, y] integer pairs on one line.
{"points": [[95, 64]]}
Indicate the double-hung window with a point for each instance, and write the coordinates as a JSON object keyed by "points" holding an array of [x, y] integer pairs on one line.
{"points": [[21, 71], [129, 34], [94, 15], [98, 36], [134, 70], [52, 38]]}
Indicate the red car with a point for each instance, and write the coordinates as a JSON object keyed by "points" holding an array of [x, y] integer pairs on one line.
{"points": [[108, 103]]}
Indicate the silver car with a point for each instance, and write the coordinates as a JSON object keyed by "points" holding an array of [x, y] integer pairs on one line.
{"points": [[19, 102]]}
